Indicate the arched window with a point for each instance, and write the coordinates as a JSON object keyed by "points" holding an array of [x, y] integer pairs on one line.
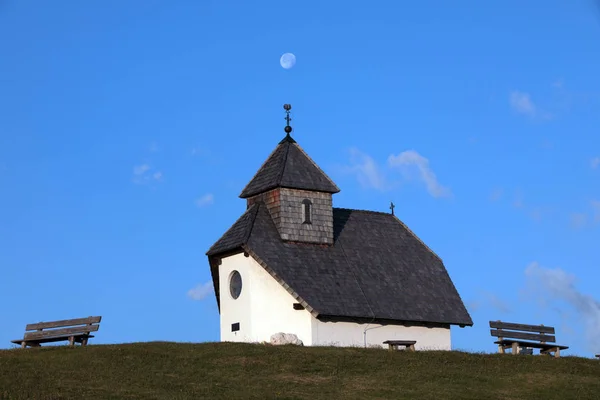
{"points": [[306, 210]]}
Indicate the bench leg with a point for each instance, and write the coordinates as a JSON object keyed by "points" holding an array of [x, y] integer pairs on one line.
{"points": [[71, 340], [500, 349], [84, 342], [23, 345], [515, 348], [557, 353], [411, 347]]}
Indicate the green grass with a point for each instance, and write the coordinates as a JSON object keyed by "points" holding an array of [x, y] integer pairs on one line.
{"points": [[161, 370]]}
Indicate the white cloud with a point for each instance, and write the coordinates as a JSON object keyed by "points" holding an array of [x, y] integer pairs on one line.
{"points": [[205, 200], [521, 103], [556, 285], [201, 291], [142, 175], [367, 172], [410, 159], [141, 169], [595, 162]]}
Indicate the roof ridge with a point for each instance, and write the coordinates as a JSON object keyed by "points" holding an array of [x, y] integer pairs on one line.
{"points": [[316, 165], [418, 238], [252, 209], [364, 211], [260, 168], [285, 157], [256, 207]]}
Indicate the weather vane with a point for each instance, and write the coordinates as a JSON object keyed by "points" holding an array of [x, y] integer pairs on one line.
{"points": [[287, 108]]}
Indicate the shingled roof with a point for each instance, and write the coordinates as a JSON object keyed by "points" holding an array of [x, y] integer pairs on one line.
{"points": [[376, 269], [289, 166]]}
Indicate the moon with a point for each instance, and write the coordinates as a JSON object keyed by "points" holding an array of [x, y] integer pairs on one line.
{"points": [[288, 60]]}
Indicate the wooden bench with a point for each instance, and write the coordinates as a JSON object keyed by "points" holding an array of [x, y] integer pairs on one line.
{"points": [[74, 330], [394, 344], [518, 336]]}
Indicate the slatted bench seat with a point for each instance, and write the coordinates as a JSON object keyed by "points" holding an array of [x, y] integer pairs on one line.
{"points": [[517, 336], [407, 344], [74, 330]]}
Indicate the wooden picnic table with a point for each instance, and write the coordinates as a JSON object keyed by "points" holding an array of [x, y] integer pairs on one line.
{"points": [[395, 344]]}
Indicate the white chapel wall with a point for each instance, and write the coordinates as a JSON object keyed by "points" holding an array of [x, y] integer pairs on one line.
{"points": [[235, 310], [263, 308], [352, 334], [273, 308]]}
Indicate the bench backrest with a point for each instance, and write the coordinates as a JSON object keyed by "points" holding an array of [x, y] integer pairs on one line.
{"points": [[67, 327], [540, 333]]}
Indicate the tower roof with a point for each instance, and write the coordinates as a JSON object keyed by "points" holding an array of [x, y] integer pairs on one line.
{"points": [[289, 166]]}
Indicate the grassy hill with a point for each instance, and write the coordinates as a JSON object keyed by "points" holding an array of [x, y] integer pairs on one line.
{"points": [[160, 370]]}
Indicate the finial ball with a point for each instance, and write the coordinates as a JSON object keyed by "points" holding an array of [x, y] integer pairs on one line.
{"points": [[287, 107], [288, 129]]}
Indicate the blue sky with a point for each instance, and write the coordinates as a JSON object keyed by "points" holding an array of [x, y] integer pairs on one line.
{"points": [[128, 129]]}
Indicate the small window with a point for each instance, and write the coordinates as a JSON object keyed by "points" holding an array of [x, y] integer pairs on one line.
{"points": [[235, 284], [235, 327], [306, 210]]}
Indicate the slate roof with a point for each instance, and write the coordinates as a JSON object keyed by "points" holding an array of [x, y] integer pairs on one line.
{"points": [[289, 166], [377, 268]]}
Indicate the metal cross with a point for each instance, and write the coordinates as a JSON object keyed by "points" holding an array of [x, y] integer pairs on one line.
{"points": [[392, 206]]}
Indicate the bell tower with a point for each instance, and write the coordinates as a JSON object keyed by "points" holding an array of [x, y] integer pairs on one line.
{"points": [[297, 193]]}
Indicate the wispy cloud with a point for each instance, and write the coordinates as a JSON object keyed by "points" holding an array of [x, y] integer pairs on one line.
{"points": [[142, 174], [496, 194], [370, 174], [521, 102], [595, 162], [518, 200], [409, 161], [367, 172], [205, 200], [140, 169], [488, 299], [555, 286], [535, 212], [198, 151], [201, 291], [578, 220], [595, 210]]}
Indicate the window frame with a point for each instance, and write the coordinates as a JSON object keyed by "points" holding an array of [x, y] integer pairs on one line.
{"points": [[306, 211], [231, 293]]}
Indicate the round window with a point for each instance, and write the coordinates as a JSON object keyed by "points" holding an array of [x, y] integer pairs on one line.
{"points": [[235, 284]]}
